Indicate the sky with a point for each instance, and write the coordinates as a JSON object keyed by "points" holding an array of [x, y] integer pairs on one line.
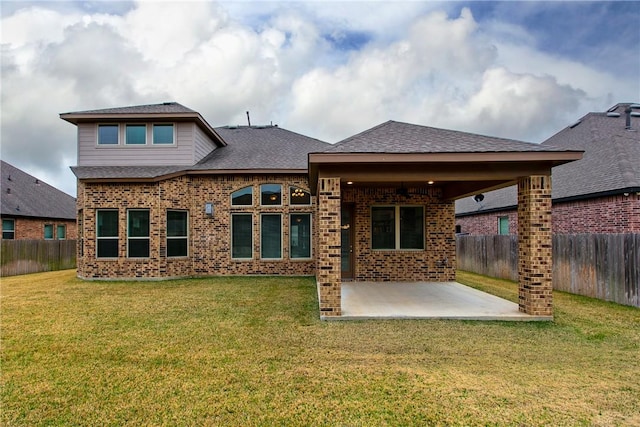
{"points": [[325, 69]]}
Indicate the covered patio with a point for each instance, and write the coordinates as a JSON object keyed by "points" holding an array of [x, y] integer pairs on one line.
{"points": [[425, 300], [386, 221]]}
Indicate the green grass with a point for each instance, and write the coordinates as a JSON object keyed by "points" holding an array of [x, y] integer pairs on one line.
{"points": [[251, 351]]}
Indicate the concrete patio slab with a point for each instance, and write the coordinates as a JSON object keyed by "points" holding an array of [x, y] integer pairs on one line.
{"points": [[422, 300]]}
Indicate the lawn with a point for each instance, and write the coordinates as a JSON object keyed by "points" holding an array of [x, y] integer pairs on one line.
{"points": [[252, 351]]}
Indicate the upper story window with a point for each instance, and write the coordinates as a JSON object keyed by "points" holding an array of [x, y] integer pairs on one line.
{"points": [[242, 197], [107, 134], [163, 134], [298, 196], [271, 195], [8, 229], [136, 135]]}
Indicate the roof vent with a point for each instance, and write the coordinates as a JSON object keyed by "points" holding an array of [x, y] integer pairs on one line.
{"points": [[37, 181], [634, 106], [575, 124], [9, 178], [167, 103], [613, 114], [8, 191], [635, 114]]}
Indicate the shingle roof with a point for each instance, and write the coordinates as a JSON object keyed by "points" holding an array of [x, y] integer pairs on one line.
{"points": [[261, 147], [398, 137], [611, 161], [164, 108], [248, 148], [25, 195]]}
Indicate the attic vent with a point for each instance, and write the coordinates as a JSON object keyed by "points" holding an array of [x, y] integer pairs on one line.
{"points": [[613, 114], [575, 124]]}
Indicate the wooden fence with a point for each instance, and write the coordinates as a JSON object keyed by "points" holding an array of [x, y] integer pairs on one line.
{"points": [[604, 266], [33, 256]]}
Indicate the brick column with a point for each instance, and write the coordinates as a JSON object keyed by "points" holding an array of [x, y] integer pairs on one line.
{"points": [[328, 257], [534, 245]]}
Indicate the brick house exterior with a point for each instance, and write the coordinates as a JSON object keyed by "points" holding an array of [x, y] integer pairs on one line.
{"points": [[34, 210], [598, 194], [162, 194]]}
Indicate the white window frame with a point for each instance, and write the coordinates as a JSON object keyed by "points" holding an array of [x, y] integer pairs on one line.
{"points": [[397, 228], [292, 188], [250, 215], [146, 134], [185, 237], [148, 237], [53, 232], [13, 228], [159, 144], [61, 227], [250, 187], [281, 195], [279, 214], [116, 238], [119, 137]]}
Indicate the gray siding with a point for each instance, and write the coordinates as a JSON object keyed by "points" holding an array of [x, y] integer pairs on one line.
{"points": [[90, 154], [203, 145]]}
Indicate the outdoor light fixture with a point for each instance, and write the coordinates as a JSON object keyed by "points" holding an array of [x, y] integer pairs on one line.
{"points": [[208, 208], [430, 182]]}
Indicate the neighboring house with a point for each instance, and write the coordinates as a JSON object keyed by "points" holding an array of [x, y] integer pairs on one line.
{"points": [[163, 194], [598, 194], [32, 209]]}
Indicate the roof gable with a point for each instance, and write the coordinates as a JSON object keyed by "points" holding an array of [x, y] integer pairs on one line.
{"points": [[398, 137], [25, 195]]}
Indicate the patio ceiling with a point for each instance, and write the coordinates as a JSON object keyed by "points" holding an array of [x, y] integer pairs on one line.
{"points": [[459, 174]]}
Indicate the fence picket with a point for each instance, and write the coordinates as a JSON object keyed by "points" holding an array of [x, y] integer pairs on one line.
{"points": [[33, 256]]}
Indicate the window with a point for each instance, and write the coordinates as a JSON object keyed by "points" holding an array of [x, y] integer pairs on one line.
{"points": [[300, 236], [503, 225], [177, 240], [163, 134], [48, 231], [397, 227], [107, 134], [242, 197], [271, 194], [298, 196], [241, 236], [136, 135], [138, 233], [8, 229], [61, 231], [271, 236], [107, 234]]}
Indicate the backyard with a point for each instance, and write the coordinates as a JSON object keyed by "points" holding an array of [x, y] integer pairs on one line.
{"points": [[252, 351]]}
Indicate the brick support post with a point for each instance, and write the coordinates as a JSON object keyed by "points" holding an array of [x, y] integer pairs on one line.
{"points": [[534, 245], [328, 256]]}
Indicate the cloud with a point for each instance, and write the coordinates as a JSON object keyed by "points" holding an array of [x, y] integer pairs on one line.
{"points": [[327, 70]]}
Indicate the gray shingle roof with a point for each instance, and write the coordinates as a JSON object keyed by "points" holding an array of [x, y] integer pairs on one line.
{"points": [[261, 147], [164, 108], [611, 161], [248, 148], [25, 195], [398, 137]]}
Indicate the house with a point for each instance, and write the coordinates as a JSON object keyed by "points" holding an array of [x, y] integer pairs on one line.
{"points": [[163, 194], [32, 209], [598, 194]]}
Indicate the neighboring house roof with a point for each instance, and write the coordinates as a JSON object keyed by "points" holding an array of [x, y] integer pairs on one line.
{"points": [[166, 110], [398, 137], [611, 162], [25, 195], [247, 148]]}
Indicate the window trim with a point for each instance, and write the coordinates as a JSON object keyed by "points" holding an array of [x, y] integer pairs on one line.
{"points": [[310, 257], [271, 206], [292, 188], [278, 214], [147, 238], [126, 139], [64, 233], [185, 237], [173, 135], [53, 234], [13, 228], [500, 219], [250, 215], [116, 237], [397, 237], [104, 144], [250, 187]]}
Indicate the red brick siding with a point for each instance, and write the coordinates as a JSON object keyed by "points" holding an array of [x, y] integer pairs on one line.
{"points": [[613, 214], [33, 228], [435, 263]]}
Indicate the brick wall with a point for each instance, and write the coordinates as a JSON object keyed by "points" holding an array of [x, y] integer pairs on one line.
{"points": [[33, 228], [209, 236], [435, 263], [612, 214]]}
